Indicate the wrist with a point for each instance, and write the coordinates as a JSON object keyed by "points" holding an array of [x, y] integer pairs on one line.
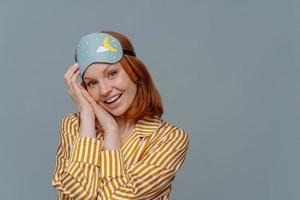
{"points": [[110, 126], [87, 125], [87, 115]]}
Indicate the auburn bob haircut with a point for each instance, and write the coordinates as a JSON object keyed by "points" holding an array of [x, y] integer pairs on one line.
{"points": [[147, 101]]}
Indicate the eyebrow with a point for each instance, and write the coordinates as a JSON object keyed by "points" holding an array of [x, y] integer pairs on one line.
{"points": [[104, 71]]}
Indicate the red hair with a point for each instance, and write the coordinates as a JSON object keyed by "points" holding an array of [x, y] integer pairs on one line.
{"points": [[147, 101]]}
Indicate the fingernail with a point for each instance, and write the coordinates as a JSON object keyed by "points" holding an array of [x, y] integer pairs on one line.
{"points": [[76, 64]]}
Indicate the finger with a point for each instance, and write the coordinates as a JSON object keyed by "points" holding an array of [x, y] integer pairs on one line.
{"points": [[73, 83], [74, 76], [71, 70], [83, 90], [90, 99], [83, 85], [69, 74], [87, 96]]}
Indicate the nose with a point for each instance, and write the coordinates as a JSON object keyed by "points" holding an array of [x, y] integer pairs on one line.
{"points": [[105, 88]]}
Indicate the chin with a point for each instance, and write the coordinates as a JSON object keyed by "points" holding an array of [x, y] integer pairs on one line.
{"points": [[117, 112]]}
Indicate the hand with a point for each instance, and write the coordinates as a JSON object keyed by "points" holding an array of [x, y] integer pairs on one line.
{"points": [[106, 120], [112, 137], [74, 90]]}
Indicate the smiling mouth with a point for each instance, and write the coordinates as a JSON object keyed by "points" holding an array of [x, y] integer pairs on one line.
{"points": [[113, 99]]}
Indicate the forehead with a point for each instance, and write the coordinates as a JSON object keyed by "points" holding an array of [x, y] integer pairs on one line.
{"points": [[99, 68]]}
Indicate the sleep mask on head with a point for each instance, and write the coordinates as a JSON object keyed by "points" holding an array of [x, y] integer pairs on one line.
{"points": [[99, 47]]}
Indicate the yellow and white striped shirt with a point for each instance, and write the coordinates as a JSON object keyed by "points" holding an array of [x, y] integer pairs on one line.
{"points": [[143, 168]]}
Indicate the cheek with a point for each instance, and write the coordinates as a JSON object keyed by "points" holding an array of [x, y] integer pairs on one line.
{"points": [[131, 90], [122, 83], [93, 93]]}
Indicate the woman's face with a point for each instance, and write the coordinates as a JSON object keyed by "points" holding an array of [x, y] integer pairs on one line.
{"points": [[110, 86]]}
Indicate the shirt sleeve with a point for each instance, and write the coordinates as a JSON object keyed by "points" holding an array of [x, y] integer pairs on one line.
{"points": [[77, 163], [148, 178]]}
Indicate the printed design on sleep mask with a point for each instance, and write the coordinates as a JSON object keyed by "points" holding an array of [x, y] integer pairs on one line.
{"points": [[99, 47], [106, 46]]}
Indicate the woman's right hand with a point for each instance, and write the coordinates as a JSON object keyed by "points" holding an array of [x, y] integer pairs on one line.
{"points": [[74, 91]]}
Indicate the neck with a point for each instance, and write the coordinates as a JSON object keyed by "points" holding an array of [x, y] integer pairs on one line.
{"points": [[125, 125]]}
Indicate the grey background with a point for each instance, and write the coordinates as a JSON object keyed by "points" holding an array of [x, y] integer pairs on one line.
{"points": [[228, 72]]}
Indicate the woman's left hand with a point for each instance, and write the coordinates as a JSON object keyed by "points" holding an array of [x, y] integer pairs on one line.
{"points": [[112, 137]]}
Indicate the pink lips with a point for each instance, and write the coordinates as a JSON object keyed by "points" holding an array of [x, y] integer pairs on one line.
{"points": [[114, 104]]}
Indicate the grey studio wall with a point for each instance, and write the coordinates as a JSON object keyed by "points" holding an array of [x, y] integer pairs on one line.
{"points": [[227, 70]]}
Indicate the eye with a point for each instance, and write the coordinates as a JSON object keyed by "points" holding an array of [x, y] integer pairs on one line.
{"points": [[111, 74], [90, 84]]}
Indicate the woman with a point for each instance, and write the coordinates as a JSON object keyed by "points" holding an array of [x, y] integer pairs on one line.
{"points": [[116, 146]]}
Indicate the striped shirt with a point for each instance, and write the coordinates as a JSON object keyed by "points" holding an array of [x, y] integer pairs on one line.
{"points": [[143, 168]]}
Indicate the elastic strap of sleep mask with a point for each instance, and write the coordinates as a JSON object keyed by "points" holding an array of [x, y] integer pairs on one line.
{"points": [[128, 52]]}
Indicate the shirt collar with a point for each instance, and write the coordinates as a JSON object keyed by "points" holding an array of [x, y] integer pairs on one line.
{"points": [[147, 125]]}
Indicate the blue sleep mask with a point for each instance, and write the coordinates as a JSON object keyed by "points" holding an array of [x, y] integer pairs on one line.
{"points": [[99, 47]]}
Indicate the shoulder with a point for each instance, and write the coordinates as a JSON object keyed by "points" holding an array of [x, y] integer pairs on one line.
{"points": [[70, 124], [170, 132]]}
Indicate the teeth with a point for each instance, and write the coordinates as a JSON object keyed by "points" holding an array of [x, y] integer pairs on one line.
{"points": [[112, 99]]}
